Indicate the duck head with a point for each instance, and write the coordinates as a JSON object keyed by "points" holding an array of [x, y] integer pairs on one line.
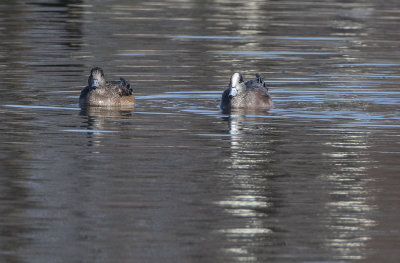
{"points": [[236, 85], [96, 78]]}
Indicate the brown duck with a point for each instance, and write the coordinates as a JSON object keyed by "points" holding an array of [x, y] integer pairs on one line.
{"points": [[100, 92]]}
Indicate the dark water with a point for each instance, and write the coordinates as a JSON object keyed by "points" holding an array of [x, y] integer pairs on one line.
{"points": [[173, 179]]}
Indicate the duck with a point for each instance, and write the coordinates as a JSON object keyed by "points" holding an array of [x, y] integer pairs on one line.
{"points": [[252, 94], [100, 92]]}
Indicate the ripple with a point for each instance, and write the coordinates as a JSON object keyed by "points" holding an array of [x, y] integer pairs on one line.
{"points": [[88, 131], [259, 37], [275, 54], [40, 107], [154, 113], [246, 231], [182, 95]]}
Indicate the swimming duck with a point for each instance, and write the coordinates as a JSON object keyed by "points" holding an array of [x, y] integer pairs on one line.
{"points": [[100, 92], [251, 94]]}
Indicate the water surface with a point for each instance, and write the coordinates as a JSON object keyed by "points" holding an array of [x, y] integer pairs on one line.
{"points": [[174, 179]]}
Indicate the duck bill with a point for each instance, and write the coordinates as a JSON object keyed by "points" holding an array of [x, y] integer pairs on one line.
{"points": [[95, 84], [233, 93]]}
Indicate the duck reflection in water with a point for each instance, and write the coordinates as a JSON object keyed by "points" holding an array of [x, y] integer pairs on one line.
{"points": [[252, 94], [99, 121]]}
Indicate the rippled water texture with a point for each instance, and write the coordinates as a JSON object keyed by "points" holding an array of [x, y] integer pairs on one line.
{"points": [[173, 179]]}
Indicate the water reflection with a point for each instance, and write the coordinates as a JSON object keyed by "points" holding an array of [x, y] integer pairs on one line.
{"points": [[333, 203], [14, 201], [350, 207], [252, 198], [36, 40], [30, 57], [102, 120], [15, 195], [62, 18]]}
